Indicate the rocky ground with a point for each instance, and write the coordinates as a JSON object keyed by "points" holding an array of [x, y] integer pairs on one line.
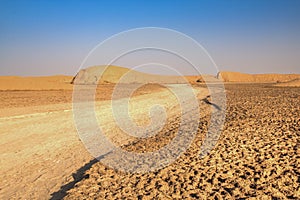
{"points": [[257, 155]]}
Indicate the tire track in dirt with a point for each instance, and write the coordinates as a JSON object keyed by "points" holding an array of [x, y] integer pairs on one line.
{"points": [[40, 152]]}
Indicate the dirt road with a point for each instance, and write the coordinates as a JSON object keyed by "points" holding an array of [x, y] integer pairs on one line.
{"points": [[40, 148]]}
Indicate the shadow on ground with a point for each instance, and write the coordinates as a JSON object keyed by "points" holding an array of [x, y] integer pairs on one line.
{"points": [[205, 100], [78, 176], [80, 173]]}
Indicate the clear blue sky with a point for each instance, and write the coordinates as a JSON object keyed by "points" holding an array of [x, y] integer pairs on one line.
{"points": [[52, 37]]}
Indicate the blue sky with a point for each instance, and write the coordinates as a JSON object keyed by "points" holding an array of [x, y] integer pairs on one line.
{"points": [[53, 37]]}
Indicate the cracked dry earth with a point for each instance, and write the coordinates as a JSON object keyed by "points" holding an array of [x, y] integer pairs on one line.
{"points": [[257, 155]]}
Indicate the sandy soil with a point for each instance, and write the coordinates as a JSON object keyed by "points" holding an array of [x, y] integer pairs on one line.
{"points": [[292, 83], [41, 155], [256, 78], [257, 156], [35, 83]]}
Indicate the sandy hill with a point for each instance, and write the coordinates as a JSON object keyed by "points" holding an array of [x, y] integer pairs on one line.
{"points": [[35, 83], [292, 83], [256, 78], [112, 74], [115, 74]]}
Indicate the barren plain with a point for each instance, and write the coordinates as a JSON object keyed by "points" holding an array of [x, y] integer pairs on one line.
{"points": [[257, 155]]}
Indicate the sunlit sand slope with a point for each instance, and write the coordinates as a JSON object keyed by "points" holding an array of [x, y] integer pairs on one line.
{"points": [[35, 83], [115, 74], [256, 78]]}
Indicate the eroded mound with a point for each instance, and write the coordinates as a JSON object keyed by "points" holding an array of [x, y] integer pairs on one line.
{"points": [[114, 74]]}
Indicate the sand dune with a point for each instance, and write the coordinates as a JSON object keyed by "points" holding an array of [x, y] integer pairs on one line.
{"points": [[35, 83], [115, 74], [256, 78], [112, 74]]}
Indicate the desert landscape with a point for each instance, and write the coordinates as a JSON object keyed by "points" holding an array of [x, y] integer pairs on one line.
{"points": [[149, 99], [256, 156]]}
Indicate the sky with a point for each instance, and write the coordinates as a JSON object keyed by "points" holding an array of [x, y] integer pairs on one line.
{"points": [[40, 38]]}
